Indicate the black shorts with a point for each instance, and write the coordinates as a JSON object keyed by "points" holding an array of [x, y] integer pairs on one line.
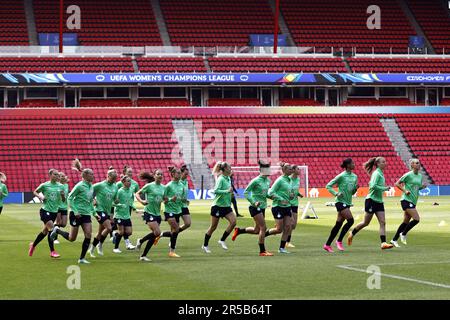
{"points": [[103, 217], [341, 206], [407, 205], [220, 212], [63, 212], [151, 218], [281, 212], [372, 207], [175, 216], [185, 211], [255, 211], [76, 222], [294, 209], [1, 209], [47, 216], [124, 222]]}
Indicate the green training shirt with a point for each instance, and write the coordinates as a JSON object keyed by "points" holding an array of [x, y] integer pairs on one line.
{"points": [[185, 193], [134, 188], [346, 183], [222, 195], [3, 193], [295, 185], [154, 194], [105, 193], [122, 209], [413, 182], [174, 188], [81, 198], [377, 186], [281, 191], [63, 204], [52, 194], [257, 191]]}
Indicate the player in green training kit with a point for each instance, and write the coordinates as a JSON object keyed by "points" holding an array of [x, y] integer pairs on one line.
{"points": [[173, 200], [410, 184], [61, 218], [256, 193], [347, 183], [185, 214], [122, 212], [374, 200], [154, 195], [81, 208], [128, 171], [221, 206], [53, 193], [295, 184], [105, 193], [281, 194], [3, 190]]}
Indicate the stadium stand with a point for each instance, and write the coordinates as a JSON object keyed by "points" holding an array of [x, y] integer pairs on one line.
{"points": [[257, 64], [234, 102], [169, 102], [165, 64], [216, 23], [328, 23], [379, 102], [13, 24], [434, 21], [299, 102], [429, 136], [104, 22], [39, 103], [318, 141], [52, 142], [399, 65], [65, 64], [109, 103]]}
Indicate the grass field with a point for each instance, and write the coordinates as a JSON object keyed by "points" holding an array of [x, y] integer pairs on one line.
{"points": [[416, 271]]}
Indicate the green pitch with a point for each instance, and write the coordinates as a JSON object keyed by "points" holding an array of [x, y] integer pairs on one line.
{"points": [[416, 271]]}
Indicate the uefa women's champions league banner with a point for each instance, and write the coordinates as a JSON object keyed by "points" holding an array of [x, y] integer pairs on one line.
{"points": [[221, 78]]}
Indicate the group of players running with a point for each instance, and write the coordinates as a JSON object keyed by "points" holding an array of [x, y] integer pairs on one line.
{"points": [[111, 203]]}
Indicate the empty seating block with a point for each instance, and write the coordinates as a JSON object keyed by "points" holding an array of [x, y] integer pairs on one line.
{"points": [[396, 65], [318, 141], [277, 65], [164, 64], [429, 136], [168, 102], [432, 16], [13, 23], [30, 146], [111, 103], [380, 102], [104, 22], [39, 103], [329, 23], [216, 23], [234, 102], [65, 65], [299, 102]]}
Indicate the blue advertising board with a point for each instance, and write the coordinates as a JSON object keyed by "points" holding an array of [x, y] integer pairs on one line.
{"points": [[52, 39], [267, 40]]}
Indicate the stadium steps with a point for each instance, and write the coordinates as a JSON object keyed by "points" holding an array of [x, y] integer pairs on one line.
{"points": [[31, 23], [412, 19], [400, 144], [191, 149], [161, 23], [282, 24]]}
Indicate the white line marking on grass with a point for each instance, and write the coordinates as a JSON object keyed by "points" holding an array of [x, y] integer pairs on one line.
{"points": [[395, 263], [399, 277]]}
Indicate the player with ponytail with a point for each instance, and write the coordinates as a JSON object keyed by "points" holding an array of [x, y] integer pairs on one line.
{"points": [[374, 200]]}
